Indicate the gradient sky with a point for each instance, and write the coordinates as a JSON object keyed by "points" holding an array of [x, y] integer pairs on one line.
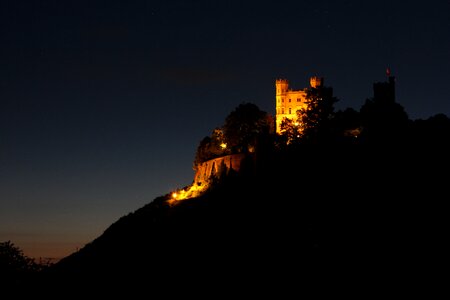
{"points": [[103, 103]]}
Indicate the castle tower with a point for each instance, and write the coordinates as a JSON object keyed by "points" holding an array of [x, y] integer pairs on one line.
{"points": [[316, 82], [385, 91], [282, 86]]}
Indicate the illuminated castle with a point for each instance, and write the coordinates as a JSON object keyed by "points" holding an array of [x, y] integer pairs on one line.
{"points": [[289, 101]]}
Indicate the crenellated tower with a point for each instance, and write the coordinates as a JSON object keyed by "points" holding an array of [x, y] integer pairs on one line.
{"points": [[316, 82], [282, 86]]}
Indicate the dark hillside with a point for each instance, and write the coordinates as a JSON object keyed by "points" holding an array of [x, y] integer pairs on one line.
{"points": [[312, 210]]}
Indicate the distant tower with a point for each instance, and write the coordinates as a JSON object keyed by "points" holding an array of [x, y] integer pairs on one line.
{"points": [[385, 91]]}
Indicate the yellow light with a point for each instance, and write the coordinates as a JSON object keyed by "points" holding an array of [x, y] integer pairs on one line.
{"points": [[188, 192], [223, 145]]}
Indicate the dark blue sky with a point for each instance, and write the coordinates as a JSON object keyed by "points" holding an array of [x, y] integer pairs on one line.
{"points": [[103, 103]]}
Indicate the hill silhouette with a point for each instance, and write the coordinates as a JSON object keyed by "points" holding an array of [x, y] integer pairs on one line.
{"points": [[356, 196], [297, 214]]}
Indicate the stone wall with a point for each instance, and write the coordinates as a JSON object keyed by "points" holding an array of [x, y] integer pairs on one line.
{"points": [[208, 168]]}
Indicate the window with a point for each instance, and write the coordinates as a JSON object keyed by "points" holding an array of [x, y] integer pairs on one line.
{"points": [[290, 111], [289, 100], [298, 99], [282, 111]]}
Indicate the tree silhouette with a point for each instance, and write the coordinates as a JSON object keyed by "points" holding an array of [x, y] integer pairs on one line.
{"points": [[203, 151], [15, 267], [291, 131], [433, 131], [315, 119], [243, 126], [347, 125], [211, 147], [383, 120], [243, 129]]}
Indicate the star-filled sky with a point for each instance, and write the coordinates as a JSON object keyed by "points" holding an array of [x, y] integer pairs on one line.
{"points": [[103, 103]]}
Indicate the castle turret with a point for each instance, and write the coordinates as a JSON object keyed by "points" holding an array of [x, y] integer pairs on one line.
{"points": [[282, 86], [316, 82]]}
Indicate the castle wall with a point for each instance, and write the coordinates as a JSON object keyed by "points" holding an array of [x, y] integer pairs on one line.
{"points": [[287, 105], [208, 168], [289, 101]]}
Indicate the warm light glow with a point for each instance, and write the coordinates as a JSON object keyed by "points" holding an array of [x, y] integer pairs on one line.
{"points": [[353, 132], [223, 145], [191, 191], [288, 109]]}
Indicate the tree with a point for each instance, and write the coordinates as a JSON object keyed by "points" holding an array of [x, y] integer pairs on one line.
{"points": [[383, 120], [347, 125], [433, 131], [211, 147], [290, 131], [202, 153], [315, 120], [244, 126], [14, 265]]}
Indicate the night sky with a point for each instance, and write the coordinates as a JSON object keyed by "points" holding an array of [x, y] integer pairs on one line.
{"points": [[103, 103]]}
